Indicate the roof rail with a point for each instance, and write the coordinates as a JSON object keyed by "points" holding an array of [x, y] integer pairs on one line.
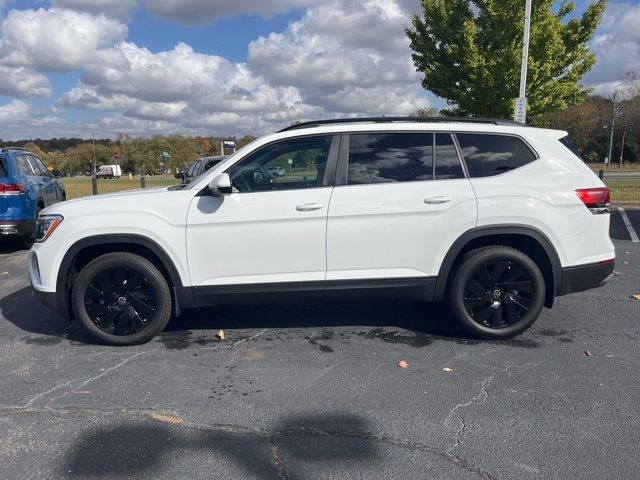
{"points": [[317, 123], [13, 149]]}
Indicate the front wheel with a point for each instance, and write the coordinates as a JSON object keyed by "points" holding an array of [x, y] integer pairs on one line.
{"points": [[122, 299], [496, 292]]}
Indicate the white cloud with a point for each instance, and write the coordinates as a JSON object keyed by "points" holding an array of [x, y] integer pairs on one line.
{"points": [[109, 8], [206, 11], [617, 47], [14, 111], [56, 40], [21, 82]]}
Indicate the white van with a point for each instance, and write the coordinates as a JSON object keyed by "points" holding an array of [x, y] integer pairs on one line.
{"points": [[109, 171]]}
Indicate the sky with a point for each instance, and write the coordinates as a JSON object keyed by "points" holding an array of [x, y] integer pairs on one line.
{"points": [[71, 68]]}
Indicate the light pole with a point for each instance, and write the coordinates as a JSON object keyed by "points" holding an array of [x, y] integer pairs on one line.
{"points": [[520, 113], [613, 123]]}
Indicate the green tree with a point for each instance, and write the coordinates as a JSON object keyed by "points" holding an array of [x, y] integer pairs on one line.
{"points": [[469, 52]]}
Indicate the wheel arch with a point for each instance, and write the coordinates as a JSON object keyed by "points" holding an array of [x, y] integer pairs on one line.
{"points": [[89, 248], [525, 238]]}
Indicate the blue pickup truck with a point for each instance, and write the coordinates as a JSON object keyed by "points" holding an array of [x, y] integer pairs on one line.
{"points": [[26, 187]]}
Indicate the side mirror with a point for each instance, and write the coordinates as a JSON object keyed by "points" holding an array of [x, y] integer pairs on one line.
{"points": [[180, 176], [221, 185]]}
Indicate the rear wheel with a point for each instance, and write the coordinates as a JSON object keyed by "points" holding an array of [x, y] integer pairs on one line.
{"points": [[496, 292], [122, 299]]}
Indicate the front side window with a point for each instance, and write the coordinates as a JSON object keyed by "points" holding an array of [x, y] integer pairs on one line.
{"points": [[390, 157], [285, 165], [38, 167], [193, 169], [487, 155]]}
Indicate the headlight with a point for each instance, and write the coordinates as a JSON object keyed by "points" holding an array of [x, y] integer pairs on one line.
{"points": [[46, 225]]}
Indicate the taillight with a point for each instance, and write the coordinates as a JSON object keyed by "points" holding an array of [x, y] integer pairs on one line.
{"points": [[11, 189], [595, 199]]}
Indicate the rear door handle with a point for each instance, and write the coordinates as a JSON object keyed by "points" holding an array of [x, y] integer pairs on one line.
{"points": [[437, 200], [310, 207]]}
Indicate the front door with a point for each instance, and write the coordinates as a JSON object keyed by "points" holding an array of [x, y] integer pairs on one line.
{"points": [[272, 229], [403, 201]]}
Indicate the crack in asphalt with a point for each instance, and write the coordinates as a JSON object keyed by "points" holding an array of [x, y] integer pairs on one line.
{"points": [[275, 458], [106, 371], [270, 434]]}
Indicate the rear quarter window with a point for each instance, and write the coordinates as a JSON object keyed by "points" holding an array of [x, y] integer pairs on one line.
{"points": [[487, 155], [3, 168]]}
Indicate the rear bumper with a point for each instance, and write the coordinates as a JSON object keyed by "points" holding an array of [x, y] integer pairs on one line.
{"points": [[16, 227], [585, 277]]}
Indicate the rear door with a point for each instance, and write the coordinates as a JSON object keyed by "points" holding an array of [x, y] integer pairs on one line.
{"points": [[401, 199]]}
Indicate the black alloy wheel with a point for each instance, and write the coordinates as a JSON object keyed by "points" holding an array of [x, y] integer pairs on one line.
{"points": [[122, 299], [496, 292]]}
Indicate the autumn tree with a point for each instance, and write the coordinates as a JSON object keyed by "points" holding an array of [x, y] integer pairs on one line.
{"points": [[469, 52]]}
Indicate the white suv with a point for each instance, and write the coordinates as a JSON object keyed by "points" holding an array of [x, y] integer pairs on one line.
{"points": [[495, 218]]}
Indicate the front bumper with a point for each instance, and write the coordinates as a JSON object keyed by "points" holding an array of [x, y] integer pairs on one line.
{"points": [[585, 277], [47, 298]]}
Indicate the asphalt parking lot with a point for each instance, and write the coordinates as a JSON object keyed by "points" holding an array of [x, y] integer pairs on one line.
{"points": [[314, 391]]}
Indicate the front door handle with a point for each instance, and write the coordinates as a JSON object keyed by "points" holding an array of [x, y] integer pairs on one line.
{"points": [[437, 200], [310, 207]]}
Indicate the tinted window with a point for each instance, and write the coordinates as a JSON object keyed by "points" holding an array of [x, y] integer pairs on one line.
{"points": [[566, 141], [390, 157], [38, 167], [301, 160], [447, 160], [193, 168], [487, 155], [23, 165], [3, 170]]}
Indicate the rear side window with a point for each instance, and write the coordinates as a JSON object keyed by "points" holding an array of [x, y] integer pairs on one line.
{"points": [[447, 160], [487, 155], [23, 166], [3, 169], [566, 141], [37, 166], [390, 157]]}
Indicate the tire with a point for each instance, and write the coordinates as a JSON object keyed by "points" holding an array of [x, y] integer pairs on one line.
{"points": [[122, 299], [496, 292]]}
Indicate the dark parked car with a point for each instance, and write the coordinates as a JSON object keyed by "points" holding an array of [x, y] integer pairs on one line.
{"points": [[198, 167], [26, 187]]}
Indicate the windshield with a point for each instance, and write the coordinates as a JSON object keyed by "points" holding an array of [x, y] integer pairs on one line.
{"points": [[207, 172]]}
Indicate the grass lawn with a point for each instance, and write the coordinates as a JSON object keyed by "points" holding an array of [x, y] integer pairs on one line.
{"points": [[77, 187], [627, 167], [623, 190]]}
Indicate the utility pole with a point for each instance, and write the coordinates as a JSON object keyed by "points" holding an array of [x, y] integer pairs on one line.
{"points": [[624, 128], [613, 124], [520, 113], [93, 136]]}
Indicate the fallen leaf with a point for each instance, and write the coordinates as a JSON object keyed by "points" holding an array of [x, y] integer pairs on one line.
{"points": [[4, 273], [102, 369], [636, 297], [447, 369], [626, 263], [587, 353], [403, 364], [166, 418], [81, 392], [627, 253], [220, 334]]}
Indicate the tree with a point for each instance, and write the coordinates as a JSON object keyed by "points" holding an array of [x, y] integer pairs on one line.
{"points": [[469, 52]]}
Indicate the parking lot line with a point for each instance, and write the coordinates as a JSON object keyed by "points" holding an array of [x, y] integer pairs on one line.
{"points": [[627, 223]]}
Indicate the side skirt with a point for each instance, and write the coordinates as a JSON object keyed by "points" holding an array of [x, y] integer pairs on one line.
{"points": [[409, 289]]}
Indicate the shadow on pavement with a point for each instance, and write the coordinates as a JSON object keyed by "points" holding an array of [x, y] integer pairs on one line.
{"points": [[23, 310], [141, 448], [12, 245], [26, 313]]}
